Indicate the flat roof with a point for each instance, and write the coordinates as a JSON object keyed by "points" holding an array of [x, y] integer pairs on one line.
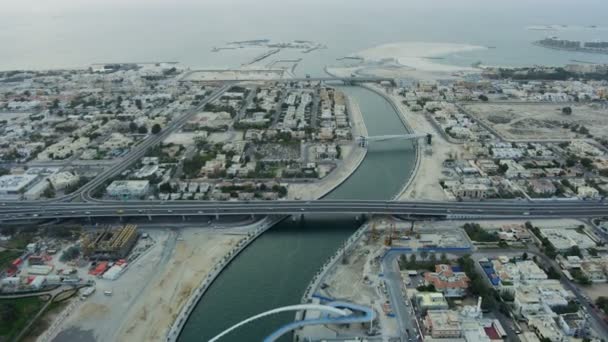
{"points": [[14, 183]]}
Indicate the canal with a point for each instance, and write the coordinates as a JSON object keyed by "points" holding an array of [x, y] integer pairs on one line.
{"points": [[275, 270]]}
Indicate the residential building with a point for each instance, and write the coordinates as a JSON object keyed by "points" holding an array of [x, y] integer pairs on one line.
{"points": [[128, 188], [594, 270], [431, 301], [572, 324], [587, 192], [442, 324], [445, 280], [62, 180], [475, 191]]}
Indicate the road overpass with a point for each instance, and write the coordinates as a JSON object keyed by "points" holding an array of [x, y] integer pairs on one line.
{"points": [[424, 209]]}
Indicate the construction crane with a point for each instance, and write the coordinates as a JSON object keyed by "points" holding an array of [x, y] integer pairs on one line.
{"points": [[388, 240], [374, 233]]}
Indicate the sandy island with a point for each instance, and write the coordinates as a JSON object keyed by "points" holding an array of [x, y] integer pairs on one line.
{"points": [[418, 55]]}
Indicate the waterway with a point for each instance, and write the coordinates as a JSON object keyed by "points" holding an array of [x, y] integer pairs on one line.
{"points": [[275, 270]]}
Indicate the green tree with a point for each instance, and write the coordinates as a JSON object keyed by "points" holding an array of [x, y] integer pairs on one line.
{"points": [[156, 129], [142, 130], [138, 104], [132, 127], [587, 163], [49, 192], [567, 110]]}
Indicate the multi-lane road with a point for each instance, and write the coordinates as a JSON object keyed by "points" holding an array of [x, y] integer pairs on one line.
{"points": [[442, 210]]}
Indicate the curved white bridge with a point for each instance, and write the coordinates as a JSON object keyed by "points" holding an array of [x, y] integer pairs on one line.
{"points": [[351, 313]]}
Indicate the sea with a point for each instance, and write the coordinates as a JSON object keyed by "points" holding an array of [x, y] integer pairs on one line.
{"points": [[40, 34]]}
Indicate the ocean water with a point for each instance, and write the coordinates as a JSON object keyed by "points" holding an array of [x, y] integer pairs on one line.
{"points": [[37, 34]]}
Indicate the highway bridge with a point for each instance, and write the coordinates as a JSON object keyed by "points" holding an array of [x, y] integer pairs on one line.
{"points": [[346, 80], [424, 209]]}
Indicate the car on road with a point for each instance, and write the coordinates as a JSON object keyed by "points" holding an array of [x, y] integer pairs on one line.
{"points": [[169, 211]]}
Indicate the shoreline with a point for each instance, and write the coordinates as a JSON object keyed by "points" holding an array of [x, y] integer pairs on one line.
{"points": [[417, 55], [184, 314]]}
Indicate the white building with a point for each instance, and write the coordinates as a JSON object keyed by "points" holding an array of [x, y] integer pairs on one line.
{"points": [[61, 180], [130, 188], [15, 184]]}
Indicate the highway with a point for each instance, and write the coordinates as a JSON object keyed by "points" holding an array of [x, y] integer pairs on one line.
{"points": [[19, 211]]}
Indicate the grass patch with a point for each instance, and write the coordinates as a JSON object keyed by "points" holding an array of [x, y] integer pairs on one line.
{"points": [[15, 314], [7, 257]]}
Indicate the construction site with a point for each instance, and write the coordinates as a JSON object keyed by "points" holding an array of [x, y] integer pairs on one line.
{"points": [[110, 243]]}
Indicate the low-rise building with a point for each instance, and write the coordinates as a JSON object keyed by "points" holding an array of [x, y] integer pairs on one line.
{"points": [[431, 301], [445, 280], [587, 192], [572, 324], [475, 191], [15, 184], [594, 270], [128, 188], [442, 324], [62, 180]]}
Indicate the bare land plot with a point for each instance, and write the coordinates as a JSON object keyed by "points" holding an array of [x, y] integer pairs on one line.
{"points": [[535, 121]]}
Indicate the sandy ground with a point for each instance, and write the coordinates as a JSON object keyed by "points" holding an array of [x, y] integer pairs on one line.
{"points": [[540, 121], [346, 281], [353, 155], [596, 290], [425, 184], [417, 55], [149, 294]]}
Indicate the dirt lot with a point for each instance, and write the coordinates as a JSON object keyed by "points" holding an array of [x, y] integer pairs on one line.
{"points": [[541, 121], [149, 294]]}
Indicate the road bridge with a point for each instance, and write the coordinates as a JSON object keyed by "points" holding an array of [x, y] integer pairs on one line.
{"points": [[428, 209]]}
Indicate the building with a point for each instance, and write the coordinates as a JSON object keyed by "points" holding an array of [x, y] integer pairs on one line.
{"points": [[128, 188], [594, 270], [476, 191], [569, 262], [565, 238], [110, 243], [572, 324], [442, 324], [431, 301], [15, 184], [587, 192], [546, 328], [542, 187], [36, 191], [445, 280], [62, 180]]}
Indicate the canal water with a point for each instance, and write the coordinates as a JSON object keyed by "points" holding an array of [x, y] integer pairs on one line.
{"points": [[275, 270]]}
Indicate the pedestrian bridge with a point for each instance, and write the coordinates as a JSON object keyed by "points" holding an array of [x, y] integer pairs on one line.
{"points": [[365, 140]]}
